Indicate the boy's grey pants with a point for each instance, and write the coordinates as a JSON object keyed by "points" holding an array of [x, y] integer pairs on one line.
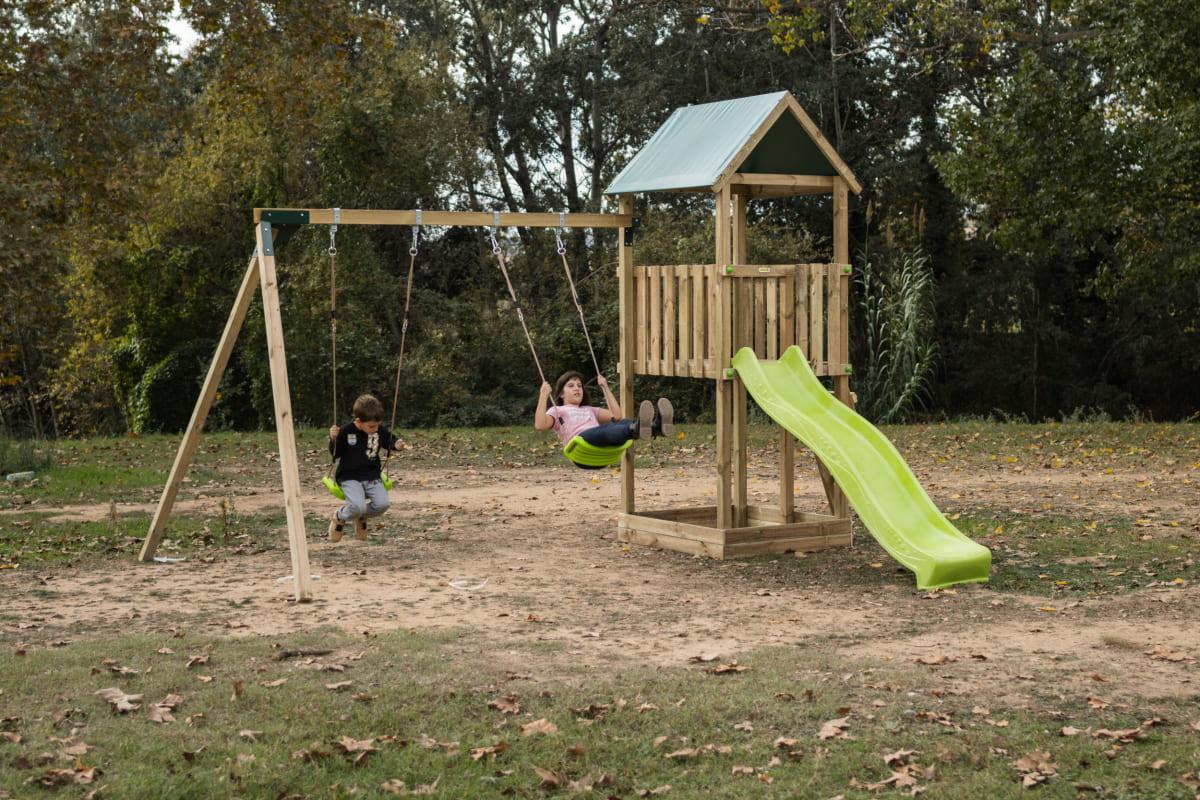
{"points": [[363, 499]]}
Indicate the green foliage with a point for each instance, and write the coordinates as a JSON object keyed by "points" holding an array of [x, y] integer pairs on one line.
{"points": [[895, 349]]}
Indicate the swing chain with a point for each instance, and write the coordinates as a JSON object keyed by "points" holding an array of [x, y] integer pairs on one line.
{"points": [[337, 217]]}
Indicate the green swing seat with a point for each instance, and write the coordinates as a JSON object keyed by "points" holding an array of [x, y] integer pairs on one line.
{"points": [[591, 456]]}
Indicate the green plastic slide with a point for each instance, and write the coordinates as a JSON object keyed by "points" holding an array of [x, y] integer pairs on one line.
{"points": [[877, 481]]}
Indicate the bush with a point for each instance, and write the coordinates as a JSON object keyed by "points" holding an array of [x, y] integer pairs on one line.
{"points": [[897, 352]]}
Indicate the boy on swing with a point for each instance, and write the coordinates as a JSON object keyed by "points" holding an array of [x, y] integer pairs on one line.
{"points": [[356, 447], [571, 416]]}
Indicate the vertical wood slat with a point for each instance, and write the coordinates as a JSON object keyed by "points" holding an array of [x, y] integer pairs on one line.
{"points": [[833, 319], [641, 309], [655, 359], [685, 322], [816, 318], [760, 317], [714, 317], [800, 305], [670, 319], [772, 321]]}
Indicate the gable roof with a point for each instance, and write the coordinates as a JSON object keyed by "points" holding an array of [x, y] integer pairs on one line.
{"points": [[700, 147]]}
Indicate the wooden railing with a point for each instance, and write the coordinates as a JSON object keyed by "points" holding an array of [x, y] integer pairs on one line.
{"points": [[773, 307]]}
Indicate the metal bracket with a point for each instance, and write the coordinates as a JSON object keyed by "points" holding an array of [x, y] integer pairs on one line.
{"points": [[268, 244], [634, 226], [284, 216]]}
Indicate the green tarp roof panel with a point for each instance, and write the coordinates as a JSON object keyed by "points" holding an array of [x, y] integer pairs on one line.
{"points": [[695, 144], [787, 149]]}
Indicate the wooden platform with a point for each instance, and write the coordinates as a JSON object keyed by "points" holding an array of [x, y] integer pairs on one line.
{"points": [[694, 530]]}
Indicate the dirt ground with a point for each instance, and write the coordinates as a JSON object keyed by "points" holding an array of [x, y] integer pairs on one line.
{"points": [[524, 557]]}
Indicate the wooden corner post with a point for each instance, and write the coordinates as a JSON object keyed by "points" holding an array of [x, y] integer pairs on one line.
{"points": [[628, 321], [187, 447], [723, 321], [282, 396], [839, 290], [743, 302]]}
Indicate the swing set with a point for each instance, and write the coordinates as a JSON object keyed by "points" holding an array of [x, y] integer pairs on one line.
{"points": [[774, 330]]}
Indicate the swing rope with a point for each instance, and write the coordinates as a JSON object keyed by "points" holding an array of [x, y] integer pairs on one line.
{"points": [[499, 253], [412, 262], [562, 254], [337, 216]]}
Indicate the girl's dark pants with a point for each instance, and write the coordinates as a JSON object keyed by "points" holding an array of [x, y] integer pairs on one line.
{"points": [[611, 434]]}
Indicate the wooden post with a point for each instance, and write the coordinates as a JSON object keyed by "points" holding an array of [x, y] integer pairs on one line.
{"points": [[742, 313], [840, 312], [723, 317], [629, 322], [281, 394], [787, 443], [187, 447]]}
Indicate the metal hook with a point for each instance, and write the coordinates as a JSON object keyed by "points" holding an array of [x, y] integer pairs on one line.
{"points": [[416, 234], [337, 217]]}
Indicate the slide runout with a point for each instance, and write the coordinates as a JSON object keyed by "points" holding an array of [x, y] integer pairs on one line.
{"points": [[884, 492]]}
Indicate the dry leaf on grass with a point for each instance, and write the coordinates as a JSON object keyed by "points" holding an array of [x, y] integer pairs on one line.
{"points": [[197, 660], [1163, 653], [731, 668], [52, 778], [356, 749], [542, 726], [550, 780], [337, 687], [506, 705], [899, 757], [656, 792], [250, 735], [275, 684], [489, 753], [1035, 768], [161, 711], [933, 661], [122, 703], [835, 729]]}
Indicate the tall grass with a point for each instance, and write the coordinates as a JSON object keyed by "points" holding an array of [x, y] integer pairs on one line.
{"points": [[22, 455], [898, 352]]}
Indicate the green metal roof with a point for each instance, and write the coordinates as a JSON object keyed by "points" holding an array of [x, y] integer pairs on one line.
{"points": [[696, 144]]}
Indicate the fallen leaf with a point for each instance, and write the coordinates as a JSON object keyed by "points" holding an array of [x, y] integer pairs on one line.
{"points": [[337, 687], [274, 684], [250, 735], [542, 726], [506, 705], [835, 729], [121, 702], [550, 780], [724, 669], [490, 753], [935, 660]]}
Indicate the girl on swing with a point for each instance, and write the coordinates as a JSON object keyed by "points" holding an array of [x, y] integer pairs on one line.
{"points": [[570, 415]]}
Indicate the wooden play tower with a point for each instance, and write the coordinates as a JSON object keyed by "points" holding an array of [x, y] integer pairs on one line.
{"points": [[689, 320], [675, 320]]}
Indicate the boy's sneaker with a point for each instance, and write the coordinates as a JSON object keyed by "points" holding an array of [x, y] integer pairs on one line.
{"points": [[360, 528], [336, 529], [664, 418], [646, 414]]}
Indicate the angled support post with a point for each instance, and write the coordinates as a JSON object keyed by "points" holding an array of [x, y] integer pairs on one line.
{"points": [[187, 447], [282, 396]]}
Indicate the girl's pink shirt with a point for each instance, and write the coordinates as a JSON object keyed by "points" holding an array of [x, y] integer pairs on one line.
{"points": [[572, 420]]}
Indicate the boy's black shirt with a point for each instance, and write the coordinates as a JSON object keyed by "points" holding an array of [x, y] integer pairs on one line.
{"points": [[358, 454]]}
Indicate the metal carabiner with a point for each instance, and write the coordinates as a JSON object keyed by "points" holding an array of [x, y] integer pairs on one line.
{"points": [[416, 235], [337, 217], [558, 242]]}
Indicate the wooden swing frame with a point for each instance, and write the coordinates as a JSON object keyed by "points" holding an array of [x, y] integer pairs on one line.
{"points": [[682, 320]]}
